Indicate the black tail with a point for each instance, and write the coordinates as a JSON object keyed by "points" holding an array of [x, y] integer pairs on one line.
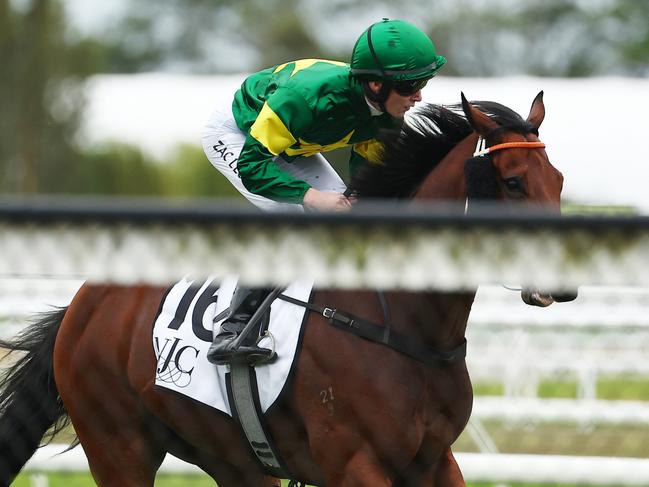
{"points": [[29, 401]]}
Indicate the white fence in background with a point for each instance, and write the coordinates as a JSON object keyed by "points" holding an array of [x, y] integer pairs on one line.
{"points": [[476, 467], [605, 332], [581, 412], [21, 299]]}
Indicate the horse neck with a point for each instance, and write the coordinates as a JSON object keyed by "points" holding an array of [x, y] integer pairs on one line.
{"points": [[446, 181], [438, 318]]}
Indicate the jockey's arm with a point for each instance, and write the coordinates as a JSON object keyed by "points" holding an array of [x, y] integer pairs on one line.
{"points": [[284, 117], [260, 175]]}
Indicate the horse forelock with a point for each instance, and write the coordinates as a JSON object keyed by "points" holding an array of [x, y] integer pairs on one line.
{"points": [[410, 154]]}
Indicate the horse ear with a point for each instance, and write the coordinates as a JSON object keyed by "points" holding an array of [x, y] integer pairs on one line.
{"points": [[480, 122], [537, 112]]}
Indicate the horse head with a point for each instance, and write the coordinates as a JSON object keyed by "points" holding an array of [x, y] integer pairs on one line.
{"points": [[429, 159], [522, 172], [512, 146]]}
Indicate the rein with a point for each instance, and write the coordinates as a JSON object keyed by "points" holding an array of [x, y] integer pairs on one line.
{"points": [[384, 335], [506, 145]]}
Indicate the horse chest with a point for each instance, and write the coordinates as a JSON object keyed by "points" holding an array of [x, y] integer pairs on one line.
{"points": [[446, 402]]}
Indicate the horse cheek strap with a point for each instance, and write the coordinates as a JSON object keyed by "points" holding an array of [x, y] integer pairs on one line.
{"points": [[481, 179]]}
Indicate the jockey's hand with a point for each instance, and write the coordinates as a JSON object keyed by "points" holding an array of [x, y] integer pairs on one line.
{"points": [[321, 200]]}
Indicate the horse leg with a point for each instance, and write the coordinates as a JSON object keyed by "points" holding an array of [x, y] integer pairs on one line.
{"points": [[124, 454], [361, 470], [112, 426], [228, 476], [448, 472], [122, 447], [425, 471]]}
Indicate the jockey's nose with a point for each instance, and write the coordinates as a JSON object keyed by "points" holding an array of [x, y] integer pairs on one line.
{"points": [[416, 96]]}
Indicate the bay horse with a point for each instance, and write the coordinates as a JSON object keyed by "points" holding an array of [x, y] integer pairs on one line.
{"points": [[357, 414]]}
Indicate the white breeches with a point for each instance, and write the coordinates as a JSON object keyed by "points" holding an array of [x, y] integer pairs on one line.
{"points": [[223, 142]]}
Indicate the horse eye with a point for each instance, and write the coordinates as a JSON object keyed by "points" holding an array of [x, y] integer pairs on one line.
{"points": [[514, 185]]}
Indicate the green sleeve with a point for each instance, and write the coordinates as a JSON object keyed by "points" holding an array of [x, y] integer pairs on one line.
{"points": [[260, 175], [279, 124]]}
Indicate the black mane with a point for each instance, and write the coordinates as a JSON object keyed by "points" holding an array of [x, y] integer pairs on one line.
{"points": [[422, 143]]}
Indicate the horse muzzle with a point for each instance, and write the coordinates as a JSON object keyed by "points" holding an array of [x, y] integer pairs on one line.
{"points": [[535, 297], [565, 295]]}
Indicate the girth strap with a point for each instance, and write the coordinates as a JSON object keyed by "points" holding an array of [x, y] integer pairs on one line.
{"points": [[243, 395], [378, 334]]}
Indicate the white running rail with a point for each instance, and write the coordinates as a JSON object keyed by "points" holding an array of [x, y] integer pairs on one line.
{"points": [[476, 467]]}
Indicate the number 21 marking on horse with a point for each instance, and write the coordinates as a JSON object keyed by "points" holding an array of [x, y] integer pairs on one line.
{"points": [[327, 396]]}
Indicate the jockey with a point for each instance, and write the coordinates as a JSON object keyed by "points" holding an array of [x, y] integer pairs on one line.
{"points": [[268, 141]]}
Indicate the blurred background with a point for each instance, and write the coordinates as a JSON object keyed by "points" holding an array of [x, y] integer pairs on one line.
{"points": [[109, 98]]}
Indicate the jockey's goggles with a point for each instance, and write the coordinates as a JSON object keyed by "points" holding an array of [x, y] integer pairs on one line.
{"points": [[408, 87]]}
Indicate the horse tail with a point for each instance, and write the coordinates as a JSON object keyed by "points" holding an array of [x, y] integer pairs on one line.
{"points": [[29, 400]]}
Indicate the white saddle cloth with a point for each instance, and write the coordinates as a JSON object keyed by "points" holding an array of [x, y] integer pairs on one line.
{"points": [[183, 333]]}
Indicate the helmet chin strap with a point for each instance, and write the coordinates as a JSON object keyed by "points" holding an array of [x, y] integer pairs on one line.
{"points": [[381, 96], [386, 83]]}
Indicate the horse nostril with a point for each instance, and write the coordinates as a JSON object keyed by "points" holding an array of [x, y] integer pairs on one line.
{"points": [[565, 296]]}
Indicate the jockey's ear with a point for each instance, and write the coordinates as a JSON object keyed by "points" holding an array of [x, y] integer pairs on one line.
{"points": [[375, 86], [480, 122], [537, 112]]}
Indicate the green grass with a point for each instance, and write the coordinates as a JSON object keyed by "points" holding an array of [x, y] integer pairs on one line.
{"points": [[568, 208], [612, 388], [86, 480], [631, 389], [557, 389], [473, 484], [488, 389], [563, 439]]}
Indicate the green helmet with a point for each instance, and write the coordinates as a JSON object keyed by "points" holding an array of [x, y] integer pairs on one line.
{"points": [[395, 50]]}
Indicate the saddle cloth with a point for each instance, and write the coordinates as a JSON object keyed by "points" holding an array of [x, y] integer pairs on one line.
{"points": [[191, 314]]}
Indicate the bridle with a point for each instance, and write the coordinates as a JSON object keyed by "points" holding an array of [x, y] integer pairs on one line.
{"points": [[481, 151]]}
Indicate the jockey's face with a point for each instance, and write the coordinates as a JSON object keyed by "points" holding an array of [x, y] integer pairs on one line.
{"points": [[397, 105]]}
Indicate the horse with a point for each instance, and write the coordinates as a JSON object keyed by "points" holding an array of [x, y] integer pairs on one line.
{"points": [[357, 413]]}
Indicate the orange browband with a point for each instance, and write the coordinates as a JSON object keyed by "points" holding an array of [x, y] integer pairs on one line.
{"points": [[510, 145]]}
